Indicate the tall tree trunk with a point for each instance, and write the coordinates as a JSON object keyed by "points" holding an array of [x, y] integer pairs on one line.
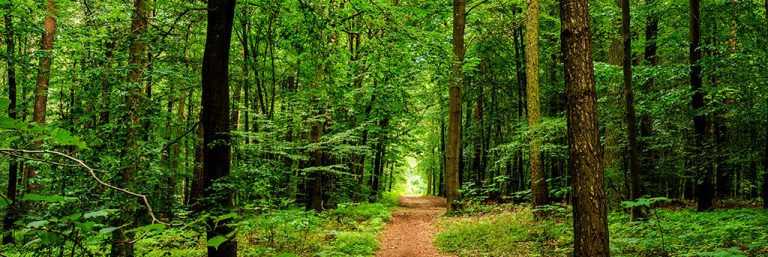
{"points": [[431, 177], [590, 214], [538, 175], [246, 72], [359, 164], [765, 154], [454, 112], [629, 101], [315, 199], [704, 187], [477, 166], [216, 125], [441, 176], [378, 162], [13, 166], [196, 187], [648, 163], [121, 245], [43, 79], [521, 84], [392, 176]]}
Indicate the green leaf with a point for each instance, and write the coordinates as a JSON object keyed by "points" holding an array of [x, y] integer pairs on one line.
{"points": [[8, 123], [230, 215], [86, 226], [7, 141], [64, 137], [51, 238], [42, 198], [108, 230], [37, 224], [4, 202], [99, 213], [216, 241], [73, 217]]}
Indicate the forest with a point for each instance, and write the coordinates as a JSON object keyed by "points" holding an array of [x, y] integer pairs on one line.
{"points": [[390, 128]]}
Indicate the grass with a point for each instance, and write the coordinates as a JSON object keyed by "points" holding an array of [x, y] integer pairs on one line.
{"points": [[683, 232]]}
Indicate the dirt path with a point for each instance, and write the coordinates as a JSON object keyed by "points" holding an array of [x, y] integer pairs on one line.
{"points": [[411, 232]]}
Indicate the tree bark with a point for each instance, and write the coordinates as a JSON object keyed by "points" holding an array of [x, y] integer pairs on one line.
{"points": [[43, 80], [590, 225], [454, 112], [196, 187], [533, 94], [443, 158], [315, 199], [13, 166], [648, 163], [629, 101], [704, 181], [137, 58], [359, 165], [378, 162], [477, 165], [765, 154], [216, 125]]}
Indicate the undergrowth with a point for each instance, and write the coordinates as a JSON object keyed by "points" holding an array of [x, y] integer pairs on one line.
{"points": [[513, 231], [503, 231], [349, 230]]}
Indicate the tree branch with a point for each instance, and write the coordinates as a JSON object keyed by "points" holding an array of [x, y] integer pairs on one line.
{"points": [[475, 6], [180, 137], [92, 173]]}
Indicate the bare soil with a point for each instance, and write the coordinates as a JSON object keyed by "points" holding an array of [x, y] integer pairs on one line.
{"points": [[413, 229]]}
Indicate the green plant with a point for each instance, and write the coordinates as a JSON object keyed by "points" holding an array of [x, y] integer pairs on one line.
{"points": [[647, 204], [351, 244]]}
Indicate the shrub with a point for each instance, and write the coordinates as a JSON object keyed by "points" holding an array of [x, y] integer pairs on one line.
{"points": [[352, 244]]}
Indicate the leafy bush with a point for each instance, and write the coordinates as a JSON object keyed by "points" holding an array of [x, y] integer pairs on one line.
{"points": [[285, 231], [364, 216], [352, 244], [349, 230], [505, 234], [734, 232]]}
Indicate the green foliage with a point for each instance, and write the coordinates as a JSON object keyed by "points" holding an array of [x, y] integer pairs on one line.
{"points": [[505, 232], [740, 232], [349, 230], [514, 233], [351, 244], [645, 202]]}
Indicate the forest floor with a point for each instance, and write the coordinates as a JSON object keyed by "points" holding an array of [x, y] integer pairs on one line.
{"points": [[413, 229]]}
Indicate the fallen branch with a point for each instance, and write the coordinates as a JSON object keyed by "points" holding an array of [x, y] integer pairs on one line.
{"points": [[92, 173]]}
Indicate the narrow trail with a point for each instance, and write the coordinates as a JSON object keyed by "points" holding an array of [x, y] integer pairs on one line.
{"points": [[411, 232]]}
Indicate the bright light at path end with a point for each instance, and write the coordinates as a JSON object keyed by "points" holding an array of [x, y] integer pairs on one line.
{"points": [[414, 185]]}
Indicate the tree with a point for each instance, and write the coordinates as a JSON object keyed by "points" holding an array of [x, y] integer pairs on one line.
{"points": [[652, 60], [704, 181], [765, 153], [133, 101], [216, 126], [590, 214], [453, 146], [533, 93], [629, 103], [43, 75], [13, 166]]}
